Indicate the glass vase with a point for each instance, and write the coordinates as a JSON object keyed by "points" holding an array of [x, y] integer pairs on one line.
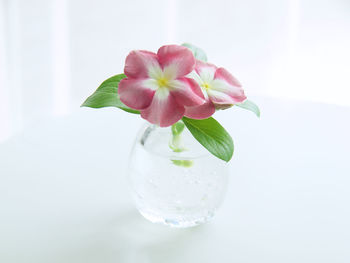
{"points": [[174, 180]]}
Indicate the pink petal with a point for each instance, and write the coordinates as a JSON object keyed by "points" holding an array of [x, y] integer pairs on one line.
{"points": [[200, 112], [206, 70], [163, 111], [223, 74], [218, 97], [225, 83], [187, 92], [222, 91], [139, 62], [223, 100], [178, 58], [135, 93]]}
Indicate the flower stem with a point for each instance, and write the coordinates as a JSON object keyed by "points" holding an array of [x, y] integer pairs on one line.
{"points": [[176, 141], [176, 144]]}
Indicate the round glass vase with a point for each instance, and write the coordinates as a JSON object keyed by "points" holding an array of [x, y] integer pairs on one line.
{"points": [[179, 186]]}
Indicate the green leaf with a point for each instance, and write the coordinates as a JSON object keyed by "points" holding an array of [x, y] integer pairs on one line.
{"points": [[251, 106], [106, 95], [212, 136], [197, 52]]}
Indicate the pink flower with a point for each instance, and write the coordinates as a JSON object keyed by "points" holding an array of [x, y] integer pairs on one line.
{"points": [[157, 85], [220, 89]]}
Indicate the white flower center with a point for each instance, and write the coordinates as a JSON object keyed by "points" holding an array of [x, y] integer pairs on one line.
{"points": [[163, 78]]}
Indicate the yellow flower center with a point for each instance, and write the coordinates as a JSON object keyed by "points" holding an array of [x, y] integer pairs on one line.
{"points": [[206, 86], [162, 82]]}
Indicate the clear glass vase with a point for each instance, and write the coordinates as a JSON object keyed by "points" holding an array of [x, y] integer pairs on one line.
{"points": [[179, 188]]}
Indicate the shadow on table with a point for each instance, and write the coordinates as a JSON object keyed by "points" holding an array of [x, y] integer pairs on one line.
{"points": [[131, 238]]}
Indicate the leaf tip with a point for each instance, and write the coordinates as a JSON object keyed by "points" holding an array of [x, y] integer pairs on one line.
{"points": [[258, 114]]}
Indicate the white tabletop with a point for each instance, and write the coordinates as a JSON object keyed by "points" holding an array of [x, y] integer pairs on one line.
{"points": [[64, 197]]}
